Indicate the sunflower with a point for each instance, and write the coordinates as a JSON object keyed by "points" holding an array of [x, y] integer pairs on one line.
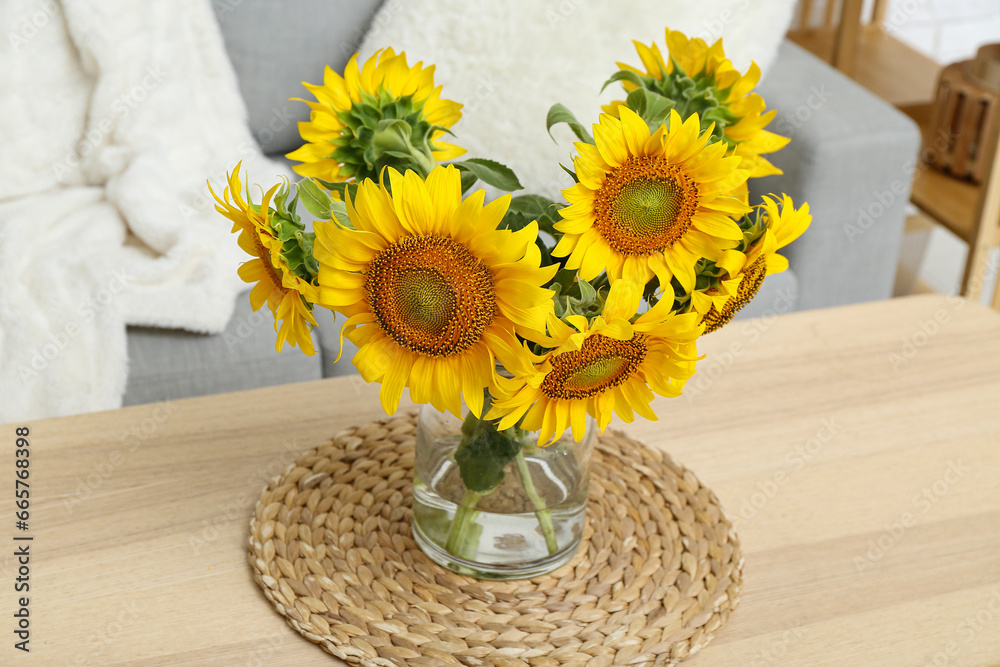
{"points": [[608, 365], [350, 133], [650, 205], [775, 227], [288, 295], [700, 79], [433, 291]]}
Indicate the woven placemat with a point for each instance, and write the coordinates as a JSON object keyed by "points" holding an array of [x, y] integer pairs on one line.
{"points": [[658, 573]]}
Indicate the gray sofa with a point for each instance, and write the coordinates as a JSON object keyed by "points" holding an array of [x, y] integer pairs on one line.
{"points": [[850, 158]]}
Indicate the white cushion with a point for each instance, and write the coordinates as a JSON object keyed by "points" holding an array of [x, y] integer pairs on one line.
{"points": [[509, 61]]}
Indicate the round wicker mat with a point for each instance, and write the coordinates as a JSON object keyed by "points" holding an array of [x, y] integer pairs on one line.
{"points": [[658, 573]]}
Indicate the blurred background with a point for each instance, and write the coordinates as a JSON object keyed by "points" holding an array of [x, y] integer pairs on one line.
{"points": [[900, 51]]}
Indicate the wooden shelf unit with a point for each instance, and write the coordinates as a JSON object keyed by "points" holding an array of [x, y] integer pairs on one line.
{"points": [[908, 79], [950, 201], [886, 66]]}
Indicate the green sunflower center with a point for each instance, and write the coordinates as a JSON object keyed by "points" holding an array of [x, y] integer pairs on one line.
{"points": [[753, 278], [431, 295], [645, 205], [600, 364], [426, 300], [647, 208], [595, 373]]}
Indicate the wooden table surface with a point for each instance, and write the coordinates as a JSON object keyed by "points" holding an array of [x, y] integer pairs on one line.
{"points": [[857, 450]]}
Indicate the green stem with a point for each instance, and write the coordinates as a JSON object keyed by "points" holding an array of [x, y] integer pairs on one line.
{"points": [[425, 162], [543, 513], [464, 515]]}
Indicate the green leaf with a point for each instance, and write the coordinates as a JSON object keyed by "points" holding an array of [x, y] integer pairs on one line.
{"points": [[483, 454], [560, 114], [544, 251], [565, 278], [297, 253], [533, 206], [280, 199], [570, 172], [468, 180], [308, 241], [559, 301], [636, 101], [398, 154], [343, 189], [588, 295], [515, 220], [333, 186], [316, 200], [539, 208], [284, 207], [652, 107], [338, 212], [440, 128], [492, 173], [625, 75]]}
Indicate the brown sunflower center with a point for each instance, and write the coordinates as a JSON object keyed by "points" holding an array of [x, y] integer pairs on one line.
{"points": [[265, 258], [645, 205], [600, 364], [753, 278], [431, 295]]}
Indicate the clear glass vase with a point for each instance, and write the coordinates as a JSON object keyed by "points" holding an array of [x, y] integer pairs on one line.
{"points": [[494, 505]]}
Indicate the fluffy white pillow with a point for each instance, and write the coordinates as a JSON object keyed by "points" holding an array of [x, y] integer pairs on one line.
{"points": [[509, 61]]}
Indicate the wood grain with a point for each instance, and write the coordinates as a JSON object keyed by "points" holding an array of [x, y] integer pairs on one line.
{"points": [[845, 46], [820, 431]]}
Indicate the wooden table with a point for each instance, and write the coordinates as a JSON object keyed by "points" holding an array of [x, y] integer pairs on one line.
{"points": [[857, 449]]}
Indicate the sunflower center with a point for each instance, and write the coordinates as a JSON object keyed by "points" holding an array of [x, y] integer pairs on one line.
{"points": [[600, 364], [431, 295], [645, 205], [753, 278], [647, 208], [265, 258], [426, 299]]}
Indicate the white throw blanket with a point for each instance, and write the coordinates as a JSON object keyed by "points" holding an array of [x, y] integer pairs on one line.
{"points": [[115, 113], [509, 61]]}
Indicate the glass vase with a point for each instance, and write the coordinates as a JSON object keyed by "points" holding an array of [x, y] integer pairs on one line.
{"points": [[493, 504]]}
